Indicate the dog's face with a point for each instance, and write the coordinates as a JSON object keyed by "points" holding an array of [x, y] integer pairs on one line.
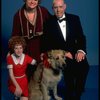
{"points": [[56, 58]]}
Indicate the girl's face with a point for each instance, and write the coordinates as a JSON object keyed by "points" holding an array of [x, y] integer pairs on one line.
{"points": [[18, 50], [32, 3]]}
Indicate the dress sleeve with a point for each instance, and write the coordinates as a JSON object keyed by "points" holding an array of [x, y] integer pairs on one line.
{"points": [[9, 62], [30, 60]]}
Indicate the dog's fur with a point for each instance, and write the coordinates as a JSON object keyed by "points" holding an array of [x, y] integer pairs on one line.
{"points": [[46, 79], [35, 92]]}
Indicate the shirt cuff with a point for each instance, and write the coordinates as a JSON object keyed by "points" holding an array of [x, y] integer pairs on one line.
{"points": [[81, 51]]}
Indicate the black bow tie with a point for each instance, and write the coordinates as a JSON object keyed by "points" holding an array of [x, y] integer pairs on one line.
{"points": [[63, 19]]}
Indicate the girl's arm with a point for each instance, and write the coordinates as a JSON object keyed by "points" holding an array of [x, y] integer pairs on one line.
{"points": [[33, 62], [18, 90]]}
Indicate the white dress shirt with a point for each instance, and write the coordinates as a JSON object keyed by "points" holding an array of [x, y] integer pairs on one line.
{"points": [[63, 27]]}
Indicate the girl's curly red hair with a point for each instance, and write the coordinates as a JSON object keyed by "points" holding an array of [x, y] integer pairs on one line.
{"points": [[16, 40]]}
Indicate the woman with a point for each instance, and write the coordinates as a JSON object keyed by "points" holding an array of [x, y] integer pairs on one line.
{"points": [[28, 22]]}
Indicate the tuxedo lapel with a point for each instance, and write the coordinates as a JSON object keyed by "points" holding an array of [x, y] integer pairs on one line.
{"points": [[67, 29], [60, 32], [57, 30]]}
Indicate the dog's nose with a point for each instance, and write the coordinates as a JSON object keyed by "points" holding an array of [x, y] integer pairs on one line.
{"points": [[57, 58], [64, 65]]}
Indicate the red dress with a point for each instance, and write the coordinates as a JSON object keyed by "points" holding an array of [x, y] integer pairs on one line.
{"points": [[32, 33], [19, 72]]}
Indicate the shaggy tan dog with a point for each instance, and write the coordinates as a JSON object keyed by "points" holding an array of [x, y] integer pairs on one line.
{"points": [[35, 85], [47, 76]]}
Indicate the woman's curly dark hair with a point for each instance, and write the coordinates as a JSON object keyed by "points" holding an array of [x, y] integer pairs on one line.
{"points": [[16, 40]]}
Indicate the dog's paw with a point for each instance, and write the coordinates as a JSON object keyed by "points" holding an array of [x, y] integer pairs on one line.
{"points": [[47, 98], [58, 98]]}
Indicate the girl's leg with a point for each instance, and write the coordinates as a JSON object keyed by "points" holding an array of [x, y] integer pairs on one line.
{"points": [[24, 98]]}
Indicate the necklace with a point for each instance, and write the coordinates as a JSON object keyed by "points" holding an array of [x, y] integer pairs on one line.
{"points": [[33, 22], [31, 16]]}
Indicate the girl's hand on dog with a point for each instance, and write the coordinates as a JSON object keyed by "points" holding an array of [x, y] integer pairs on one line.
{"points": [[43, 56]]}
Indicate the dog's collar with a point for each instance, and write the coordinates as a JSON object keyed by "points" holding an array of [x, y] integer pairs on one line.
{"points": [[45, 61], [46, 64]]}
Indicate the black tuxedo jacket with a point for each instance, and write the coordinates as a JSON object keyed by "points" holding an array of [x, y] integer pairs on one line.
{"points": [[53, 38]]}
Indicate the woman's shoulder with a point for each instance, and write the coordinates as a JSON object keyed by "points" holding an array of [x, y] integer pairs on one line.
{"points": [[20, 9], [45, 13], [43, 9], [17, 13]]}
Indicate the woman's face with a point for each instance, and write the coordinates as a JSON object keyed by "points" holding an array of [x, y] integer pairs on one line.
{"points": [[18, 50], [31, 3]]}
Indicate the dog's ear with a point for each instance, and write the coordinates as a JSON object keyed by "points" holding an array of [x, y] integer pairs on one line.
{"points": [[52, 51], [64, 52], [49, 53]]}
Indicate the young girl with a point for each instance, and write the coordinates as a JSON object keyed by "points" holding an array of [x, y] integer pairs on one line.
{"points": [[17, 63]]}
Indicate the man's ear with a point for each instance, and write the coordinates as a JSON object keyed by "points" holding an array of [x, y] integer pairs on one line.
{"points": [[65, 6]]}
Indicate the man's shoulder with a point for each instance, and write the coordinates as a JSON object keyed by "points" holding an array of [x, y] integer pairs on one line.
{"points": [[71, 15]]}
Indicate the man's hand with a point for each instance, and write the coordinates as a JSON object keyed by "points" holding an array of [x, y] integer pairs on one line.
{"points": [[79, 56], [68, 55]]}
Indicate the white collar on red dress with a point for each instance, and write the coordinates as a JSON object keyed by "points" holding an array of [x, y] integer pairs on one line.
{"points": [[15, 59]]}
